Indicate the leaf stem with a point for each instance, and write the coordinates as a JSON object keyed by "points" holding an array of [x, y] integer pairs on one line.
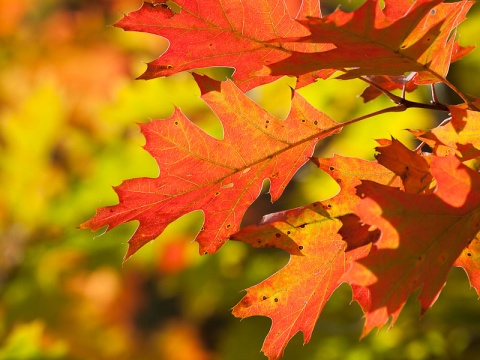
{"points": [[397, 108], [434, 94]]}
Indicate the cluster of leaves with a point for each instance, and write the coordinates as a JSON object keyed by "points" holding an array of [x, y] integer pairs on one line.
{"points": [[397, 225]]}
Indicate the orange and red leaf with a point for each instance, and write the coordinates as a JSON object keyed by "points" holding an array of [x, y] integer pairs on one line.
{"points": [[232, 33], [422, 236], [220, 177]]}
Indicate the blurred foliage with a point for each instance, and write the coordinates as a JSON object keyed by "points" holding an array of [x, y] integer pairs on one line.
{"points": [[68, 108]]}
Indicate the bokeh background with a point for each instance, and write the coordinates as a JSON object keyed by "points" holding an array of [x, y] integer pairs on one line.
{"points": [[69, 105]]}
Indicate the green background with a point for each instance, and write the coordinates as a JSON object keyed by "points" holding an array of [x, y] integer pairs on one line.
{"points": [[68, 113]]}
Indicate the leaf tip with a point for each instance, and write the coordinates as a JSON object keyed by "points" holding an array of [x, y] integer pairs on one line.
{"points": [[206, 84]]}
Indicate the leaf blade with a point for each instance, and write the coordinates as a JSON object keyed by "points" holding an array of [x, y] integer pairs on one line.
{"points": [[369, 41], [220, 177], [421, 235], [231, 33]]}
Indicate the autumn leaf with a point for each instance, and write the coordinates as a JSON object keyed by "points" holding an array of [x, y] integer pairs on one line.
{"points": [[294, 296], [422, 236], [322, 239], [411, 167], [348, 172], [404, 38], [231, 33], [469, 260], [459, 135], [220, 177]]}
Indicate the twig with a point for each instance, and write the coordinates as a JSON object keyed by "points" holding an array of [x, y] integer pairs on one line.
{"points": [[401, 100]]}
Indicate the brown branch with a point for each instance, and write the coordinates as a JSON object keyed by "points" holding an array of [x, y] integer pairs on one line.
{"points": [[400, 100]]}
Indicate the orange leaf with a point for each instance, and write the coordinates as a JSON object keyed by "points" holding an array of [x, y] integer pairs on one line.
{"points": [[411, 167], [460, 135], [294, 297], [422, 236], [405, 38], [220, 177], [469, 260], [232, 33], [323, 239], [348, 172]]}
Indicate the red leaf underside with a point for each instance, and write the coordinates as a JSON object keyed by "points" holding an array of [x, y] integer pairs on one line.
{"points": [[369, 41], [422, 236]]}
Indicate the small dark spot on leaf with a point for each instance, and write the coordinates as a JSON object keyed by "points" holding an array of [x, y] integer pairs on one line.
{"points": [[288, 232], [329, 206], [303, 226], [264, 298], [403, 47], [304, 121], [339, 181], [169, 66], [276, 300], [278, 235], [228, 226], [300, 247], [176, 123], [217, 193], [315, 122], [331, 168], [205, 253], [203, 228], [469, 254], [259, 241], [111, 210], [433, 11], [267, 121]]}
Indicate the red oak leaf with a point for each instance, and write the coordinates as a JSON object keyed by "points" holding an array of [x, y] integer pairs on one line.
{"points": [[348, 172], [411, 167], [469, 260], [323, 239], [407, 37], [460, 135], [220, 177], [462, 132], [232, 33], [294, 296], [422, 236]]}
